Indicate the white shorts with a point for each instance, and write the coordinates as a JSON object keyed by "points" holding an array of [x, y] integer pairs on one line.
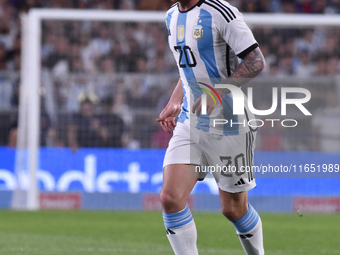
{"points": [[228, 158]]}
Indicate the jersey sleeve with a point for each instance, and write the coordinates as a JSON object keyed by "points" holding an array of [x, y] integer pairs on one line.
{"points": [[238, 35]]}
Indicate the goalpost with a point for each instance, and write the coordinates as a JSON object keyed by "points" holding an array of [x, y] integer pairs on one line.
{"points": [[26, 196]]}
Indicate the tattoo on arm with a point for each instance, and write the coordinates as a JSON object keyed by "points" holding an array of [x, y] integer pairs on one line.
{"points": [[251, 65]]}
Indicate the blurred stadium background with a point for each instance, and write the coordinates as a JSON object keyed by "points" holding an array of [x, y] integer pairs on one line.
{"points": [[103, 84]]}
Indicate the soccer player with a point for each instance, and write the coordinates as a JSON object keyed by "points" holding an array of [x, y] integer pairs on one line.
{"points": [[211, 43]]}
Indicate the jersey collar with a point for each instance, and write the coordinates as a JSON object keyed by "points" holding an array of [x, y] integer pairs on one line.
{"points": [[199, 3]]}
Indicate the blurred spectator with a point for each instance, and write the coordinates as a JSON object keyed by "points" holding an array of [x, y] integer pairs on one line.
{"points": [[61, 4], [333, 66], [80, 4], [286, 66], [77, 66], [107, 66], [154, 5], [160, 139], [304, 67], [288, 6], [120, 106], [320, 6], [6, 92], [85, 128], [305, 6], [12, 133], [113, 123], [143, 128], [141, 64], [121, 109], [127, 5], [3, 58], [25, 5], [99, 46], [160, 66], [118, 57], [45, 124], [249, 6], [7, 33], [326, 125], [15, 94], [53, 138], [134, 95], [274, 70], [264, 6], [306, 42], [135, 61], [275, 6], [75, 86], [59, 61], [321, 64], [331, 45], [13, 55], [48, 46]]}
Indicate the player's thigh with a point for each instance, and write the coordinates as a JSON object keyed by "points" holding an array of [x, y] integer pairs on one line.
{"points": [[178, 182], [183, 147], [179, 175], [183, 151], [232, 158]]}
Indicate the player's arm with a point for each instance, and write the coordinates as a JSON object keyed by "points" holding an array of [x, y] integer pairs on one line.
{"points": [[251, 65], [240, 39], [168, 115]]}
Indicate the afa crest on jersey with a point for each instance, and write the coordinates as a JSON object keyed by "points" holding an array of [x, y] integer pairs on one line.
{"points": [[180, 33], [197, 32]]}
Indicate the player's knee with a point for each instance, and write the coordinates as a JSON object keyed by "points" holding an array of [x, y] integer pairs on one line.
{"points": [[231, 213], [169, 201]]}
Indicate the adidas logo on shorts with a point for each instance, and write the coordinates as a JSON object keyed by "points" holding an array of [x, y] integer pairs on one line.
{"points": [[240, 182]]}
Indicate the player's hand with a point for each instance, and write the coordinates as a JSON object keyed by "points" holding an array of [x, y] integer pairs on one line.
{"points": [[197, 106], [167, 117]]}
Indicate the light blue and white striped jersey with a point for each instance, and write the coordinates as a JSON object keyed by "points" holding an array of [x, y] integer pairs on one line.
{"points": [[207, 42]]}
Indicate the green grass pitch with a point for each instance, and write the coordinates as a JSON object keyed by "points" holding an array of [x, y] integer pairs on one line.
{"points": [[89, 232]]}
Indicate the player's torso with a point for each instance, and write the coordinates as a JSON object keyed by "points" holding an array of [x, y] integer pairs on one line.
{"points": [[195, 42], [201, 55]]}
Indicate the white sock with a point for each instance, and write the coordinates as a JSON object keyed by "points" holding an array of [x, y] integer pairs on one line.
{"points": [[181, 232], [249, 231]]}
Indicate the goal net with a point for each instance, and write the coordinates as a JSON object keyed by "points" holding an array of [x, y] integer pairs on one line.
{"points": [[93, 82]]}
